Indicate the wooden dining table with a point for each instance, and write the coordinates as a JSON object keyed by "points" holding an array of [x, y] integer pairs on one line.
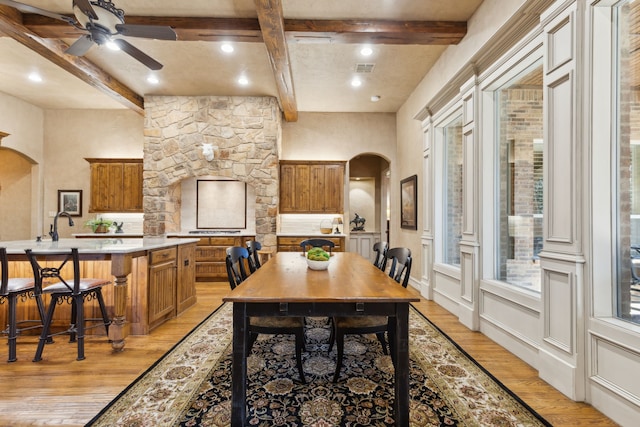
{"points": [[351, 286]]}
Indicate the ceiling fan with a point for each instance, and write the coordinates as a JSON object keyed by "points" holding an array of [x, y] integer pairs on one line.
{"points": [[103, 22]]}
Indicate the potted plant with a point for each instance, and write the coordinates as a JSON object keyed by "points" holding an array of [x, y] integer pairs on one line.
{"points": [[99, 225]]}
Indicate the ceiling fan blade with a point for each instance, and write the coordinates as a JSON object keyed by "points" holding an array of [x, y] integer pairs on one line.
{"points": [[32, 9], [138, 54], [80, 46], [147, 31], [86, 8]]}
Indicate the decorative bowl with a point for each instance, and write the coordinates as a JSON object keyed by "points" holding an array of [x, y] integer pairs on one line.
{"points": [[317, 265]]}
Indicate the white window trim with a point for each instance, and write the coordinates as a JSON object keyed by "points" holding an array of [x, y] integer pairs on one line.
{"points": [[447, 115], [522, 58]]}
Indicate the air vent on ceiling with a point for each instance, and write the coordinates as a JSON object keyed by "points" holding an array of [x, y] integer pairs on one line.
{"points": [[364, 68]]}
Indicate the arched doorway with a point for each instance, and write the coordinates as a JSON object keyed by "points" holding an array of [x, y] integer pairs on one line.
{"points": [[368, 197]]}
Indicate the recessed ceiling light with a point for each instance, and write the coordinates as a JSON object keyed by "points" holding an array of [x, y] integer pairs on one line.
{"points": [[112, 45], [153, 80], [243, 81], [356, 82], [226, 47], [35, 77], [366, 51], [375, 98]]}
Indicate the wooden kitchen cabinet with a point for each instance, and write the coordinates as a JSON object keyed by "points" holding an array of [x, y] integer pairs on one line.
{"points": [[292, 243], [186, 280], [162, 286], [311, 187], [211, 253], [116, 185]]}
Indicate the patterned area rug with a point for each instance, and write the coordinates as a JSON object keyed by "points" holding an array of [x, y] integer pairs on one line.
{"points": [[190, 385]]}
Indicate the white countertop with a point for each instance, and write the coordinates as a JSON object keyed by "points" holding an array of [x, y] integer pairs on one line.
{"points": [[110, 235], [208, 233], [102, 246]]}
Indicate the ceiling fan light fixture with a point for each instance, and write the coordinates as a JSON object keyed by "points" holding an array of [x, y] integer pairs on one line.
{"points": [[112, 45], [108, 16]]}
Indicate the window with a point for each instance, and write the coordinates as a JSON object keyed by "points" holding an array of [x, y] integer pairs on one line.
{"points": [[520, 178], [628, 161], [452, 134]]}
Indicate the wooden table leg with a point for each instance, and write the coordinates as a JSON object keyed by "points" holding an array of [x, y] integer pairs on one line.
{"points": [[120, 268], [401, 350], [239, 369]]}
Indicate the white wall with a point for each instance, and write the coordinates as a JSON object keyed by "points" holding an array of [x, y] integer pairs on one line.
{"points": [[24, 124], [339, 136], [70, 136]]}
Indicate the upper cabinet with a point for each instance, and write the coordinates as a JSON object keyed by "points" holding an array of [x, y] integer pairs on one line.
{"points": [[311, 187], [116, 185]]}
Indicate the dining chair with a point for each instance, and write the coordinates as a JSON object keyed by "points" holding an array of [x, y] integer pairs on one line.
{"points": [[254, 257], [317, 243], [62, 282], [235, 261], [400, 271], [380, 261], [10, 290]]}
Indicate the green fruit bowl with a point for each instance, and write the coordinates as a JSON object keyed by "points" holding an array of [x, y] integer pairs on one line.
{"points": [[317, 265]]}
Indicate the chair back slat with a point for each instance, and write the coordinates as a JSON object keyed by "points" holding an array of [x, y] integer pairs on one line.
{"points": [[236, 257], [401, 261], [380, 260], [41, 272], [254, 257], [4, 264]]}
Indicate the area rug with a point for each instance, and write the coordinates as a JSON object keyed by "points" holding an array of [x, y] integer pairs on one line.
{"points": [[190, 385]]}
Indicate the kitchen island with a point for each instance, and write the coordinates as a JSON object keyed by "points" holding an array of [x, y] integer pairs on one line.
{"points": [[154, 279]]}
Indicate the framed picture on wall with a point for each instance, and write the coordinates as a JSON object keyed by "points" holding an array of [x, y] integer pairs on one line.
{"points": [[70, 201], [409, 203]]}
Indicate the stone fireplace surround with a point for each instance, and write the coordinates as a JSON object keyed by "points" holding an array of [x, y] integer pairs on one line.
{"points": [[247, 132]]}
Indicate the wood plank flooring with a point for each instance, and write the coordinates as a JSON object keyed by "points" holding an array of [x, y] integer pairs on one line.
{"points": [[64, 392]]}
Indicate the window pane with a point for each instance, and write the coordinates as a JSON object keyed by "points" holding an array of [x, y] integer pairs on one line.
{"points": [[453, 191], [628, 159], [520, 131]]}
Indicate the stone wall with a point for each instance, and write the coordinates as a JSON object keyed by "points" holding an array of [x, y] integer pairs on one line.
{"points": [[246, 132]]}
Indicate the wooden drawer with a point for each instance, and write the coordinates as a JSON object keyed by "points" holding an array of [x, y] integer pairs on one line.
{"points": [[162, 255], [292, 243], [211, 253]]}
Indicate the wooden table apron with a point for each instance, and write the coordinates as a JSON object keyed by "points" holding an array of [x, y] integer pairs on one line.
{"points": [[351, 286]]}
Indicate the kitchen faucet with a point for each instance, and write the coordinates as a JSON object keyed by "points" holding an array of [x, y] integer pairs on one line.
{"points": [[54, 227]]}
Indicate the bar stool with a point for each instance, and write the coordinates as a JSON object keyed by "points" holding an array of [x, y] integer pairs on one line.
{"points": [[10, 290], [76, 291]]}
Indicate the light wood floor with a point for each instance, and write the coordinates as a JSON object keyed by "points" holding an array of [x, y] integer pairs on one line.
{"points": [[64, 392]]}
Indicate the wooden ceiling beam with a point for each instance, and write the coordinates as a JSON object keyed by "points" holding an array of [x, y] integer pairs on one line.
{"points": [[272, 26], [377, 31], [248, 29], [53, 50]]}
